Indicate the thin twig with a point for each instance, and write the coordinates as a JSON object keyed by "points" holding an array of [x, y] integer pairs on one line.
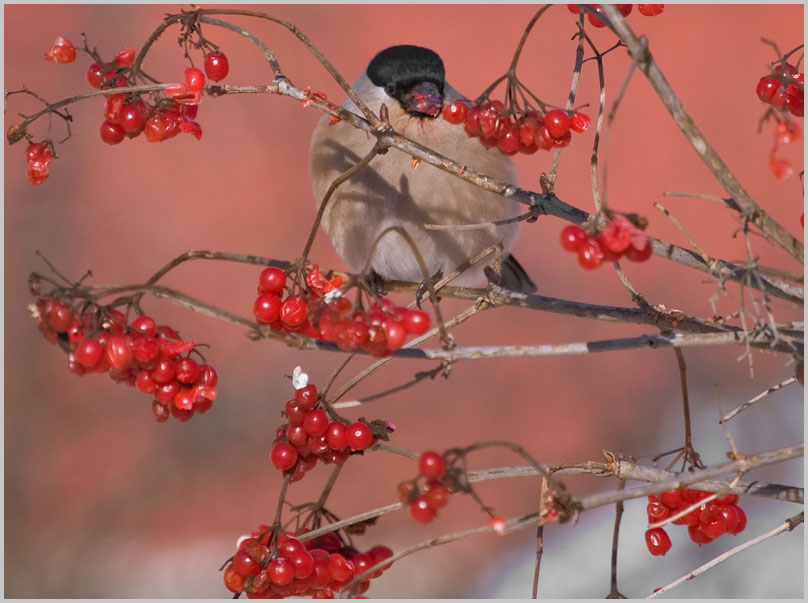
{"points": [[758, 398]]}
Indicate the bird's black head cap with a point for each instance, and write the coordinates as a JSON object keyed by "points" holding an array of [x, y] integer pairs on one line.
{"points": [[404, 65]]}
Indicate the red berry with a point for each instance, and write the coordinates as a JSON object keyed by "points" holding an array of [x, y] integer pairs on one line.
{"points": [[714, 527], [579, 122], [233, 581], [455, 113], [315, 422], [119, 351], [358, 436], [657, 512], [396, 334], [574, 8], [657, 541], [94, 75], [421, 511], [112, 133], [160, 412], [339, 567], [416, 322], [166, 392], [593, 19], [306, 397], [187, 370], [283, 456], [60, 317], [131, 119], [650, 10], [767, 88], [509, 143], [293, 312], [436, 494], [281, 571], [617, 235], [145, 325], [271, 279], [194, 80], [216, 66], [671, 498], [590, 255], [244, 565], [164, 371], [431, 464], [62, 51], [564, 140], [336, 436], [144, 383], [146, 351], [640, 249], [697, 536], [625, 9], [741, 520], [351, 335], [125, 56], [472, 125], [573, 237], [89, 353], [294, 414], [267, 308], [303, 563]]}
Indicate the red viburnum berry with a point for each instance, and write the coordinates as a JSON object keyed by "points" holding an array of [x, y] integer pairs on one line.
{"points": [[112, 133], [625, 9], [617, 235], [194, 80], [436, 494], [216, 66], [573, 237], [233, 581], [131, 119], [125, 56], [640, 249], [593, 19], [293, 311], [420, 510], [416, 322], [767, 88], [283, 456], [272, 280], [335, 435], [456, 113], [267, 308], [306, 397], [579, 122], [358, 436], [339, 567], [590, 254], [315, 422], [89, 353], [657, 541], [396, 334], [650, 10], [431, 464], [94, 75], [62, 51]]}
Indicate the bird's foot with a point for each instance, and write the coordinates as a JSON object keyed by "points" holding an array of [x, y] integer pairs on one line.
{"points": [[423, 289]]}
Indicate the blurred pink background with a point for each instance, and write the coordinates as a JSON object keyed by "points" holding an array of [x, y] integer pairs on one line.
{"points": [[100, 501]]}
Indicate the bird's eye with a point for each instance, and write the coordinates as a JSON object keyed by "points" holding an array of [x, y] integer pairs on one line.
{"points": [[390, 89]]}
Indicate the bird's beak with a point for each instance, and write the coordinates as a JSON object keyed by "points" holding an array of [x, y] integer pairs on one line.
{"points": [[424, 98]]}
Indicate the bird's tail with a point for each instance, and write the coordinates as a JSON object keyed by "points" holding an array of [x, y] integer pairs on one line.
{"points": [[515, 278]]}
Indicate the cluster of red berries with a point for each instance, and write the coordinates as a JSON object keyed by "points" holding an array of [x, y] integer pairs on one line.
{"points": [[142, 354], [382, 330], [704, 524], [424, 504], [648, 10], [317, 568], [619, 239], [310, 436], [783, 89], [38, 155], [509, 134]]}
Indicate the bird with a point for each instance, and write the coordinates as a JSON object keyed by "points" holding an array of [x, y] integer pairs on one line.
{"points": [[393, 190]]}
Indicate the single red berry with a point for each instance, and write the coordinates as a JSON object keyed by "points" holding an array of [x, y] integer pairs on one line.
{"points": [[62, 51], [741, 520], [420, 510], [315, 422], [657, 541], [267, 308], [336, 436], [194, 80], [431, 464], [456, 113], [731, 517], [187, 370], [339, 567], [125, 56], [650, 10], [303, 564], [131, 119], [574, 8], [564, 140], [351, 335], [416, 322], [671, 498], [436, 494], [306, 397], [293, 311], [697, 536], [144, 383], [112, 133], [60, 317], [795, 100], [281, 571], [617, 235], [657, 512], [94, 75], [119, 351], [216, 66], [283, 456], [244, 565], [573, 237], [593, 19], [145, 325], [146, 351], [625, 9], [271, 279], [472, 125], [294, 414], [160, 412], [590, 255], [166, 391], [233, 581], [640, 249], [509, 143], [89, 353], [164, 371], [579, 122], [543, 139], [767, 88], [714, 527], [358, 436], [396, 334]]}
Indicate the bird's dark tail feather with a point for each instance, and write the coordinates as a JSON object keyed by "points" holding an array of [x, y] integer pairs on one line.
{"points": [[515, 278]]}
